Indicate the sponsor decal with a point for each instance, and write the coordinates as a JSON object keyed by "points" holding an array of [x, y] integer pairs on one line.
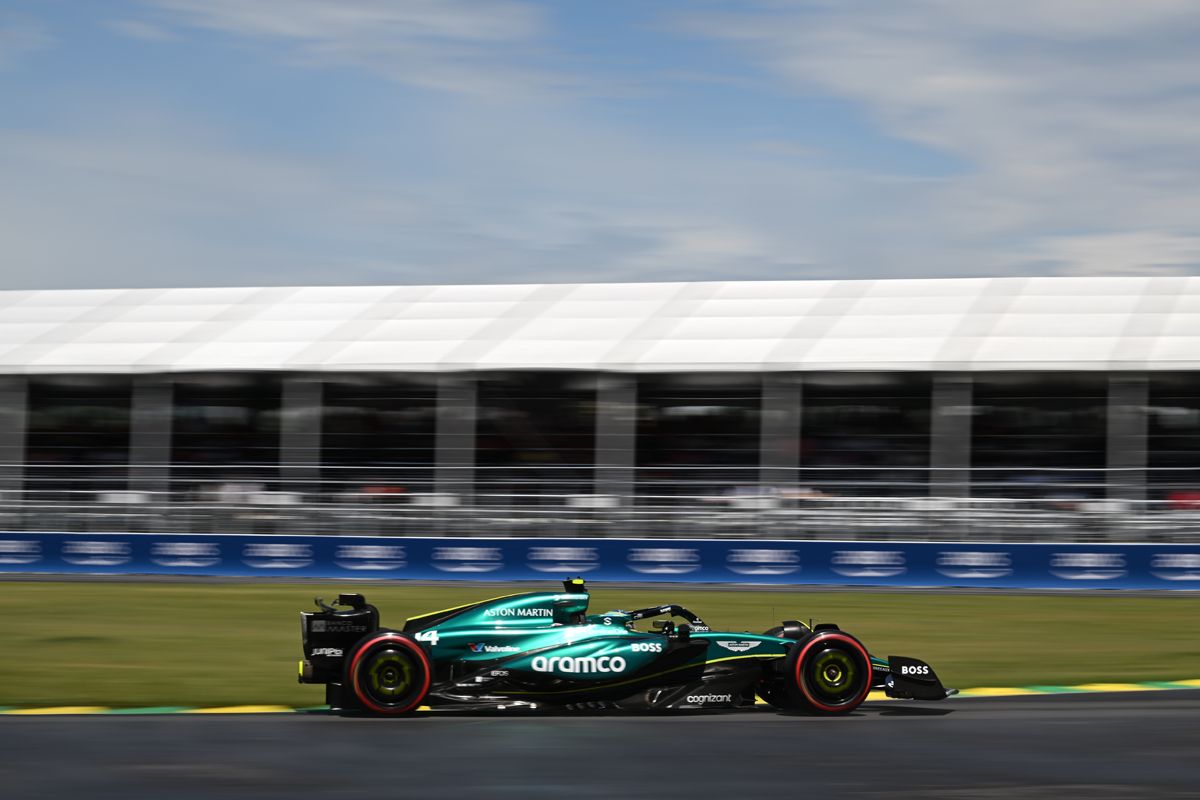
{"points": [[370, 556], [1088, 566], [914, 669], [763, 561], [563, 559], [578, 664], [1176, 566], [664, 560], [517, 612], [430, 637], [96, 553], [467, 559], [332, 652], [277, 555], [971, 564], [20, 551], [185, 554], [492, 648], [701, 699], [869, 563], [646, 647], [336, 626], [738, 647]]}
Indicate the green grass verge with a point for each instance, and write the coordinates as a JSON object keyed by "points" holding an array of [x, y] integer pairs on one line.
{"points": [[196, 644]]}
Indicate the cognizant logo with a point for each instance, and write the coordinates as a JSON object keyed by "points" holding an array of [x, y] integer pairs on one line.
{"points": [[701, 699], [579, 664]]}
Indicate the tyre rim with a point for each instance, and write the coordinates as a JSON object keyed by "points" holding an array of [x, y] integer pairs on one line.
{"points": [[390, 676], [835, 677]]}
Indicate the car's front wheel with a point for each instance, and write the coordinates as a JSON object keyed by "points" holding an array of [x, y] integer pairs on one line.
{"points": [[388, 673], [829, 673]]}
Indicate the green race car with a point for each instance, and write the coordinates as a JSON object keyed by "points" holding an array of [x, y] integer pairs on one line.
{"points": [[545, 649]]}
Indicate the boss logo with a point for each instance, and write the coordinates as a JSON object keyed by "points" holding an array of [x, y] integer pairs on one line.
{"points": [[646, 647], [914, 669]]}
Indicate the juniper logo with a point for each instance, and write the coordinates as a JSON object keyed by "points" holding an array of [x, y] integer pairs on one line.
{"points": [[578, 664]]}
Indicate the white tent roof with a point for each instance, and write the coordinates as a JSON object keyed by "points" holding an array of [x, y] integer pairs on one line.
{"points": [[959, 324]]}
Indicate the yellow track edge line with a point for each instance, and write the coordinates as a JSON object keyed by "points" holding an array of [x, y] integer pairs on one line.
{"points": [[74, 710], [875, 696], [242, 710]]}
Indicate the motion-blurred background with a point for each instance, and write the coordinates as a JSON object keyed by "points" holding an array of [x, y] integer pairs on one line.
{"points": [[992, 409], [866, 294]]}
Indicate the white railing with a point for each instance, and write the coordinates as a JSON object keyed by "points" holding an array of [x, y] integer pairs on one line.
{"points": [[893, 503]]}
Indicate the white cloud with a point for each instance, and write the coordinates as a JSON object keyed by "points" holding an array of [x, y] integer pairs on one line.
{"points": [[477, 47], [1068, 114]]}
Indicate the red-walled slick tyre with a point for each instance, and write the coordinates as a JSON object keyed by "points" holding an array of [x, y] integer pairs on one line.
{"points": [[388, 673], [829, 673]]}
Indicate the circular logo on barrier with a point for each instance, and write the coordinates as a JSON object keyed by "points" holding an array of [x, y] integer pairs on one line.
{"points": [[20, 551], [277, 555], [370, 556], [185, 554], [763, 561], [664, 560], [970, 565], [1176, 566], [1088, 566], [563, 559], [96, 553], [869, 563], [467, 559]]}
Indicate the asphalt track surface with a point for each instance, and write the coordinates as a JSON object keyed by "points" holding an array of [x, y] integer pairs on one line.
{"points": [[1140, 744]]}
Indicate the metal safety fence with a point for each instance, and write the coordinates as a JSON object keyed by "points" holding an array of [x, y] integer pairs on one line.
{"points": [[896, 504]]}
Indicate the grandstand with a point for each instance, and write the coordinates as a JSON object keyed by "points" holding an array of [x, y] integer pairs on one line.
{"points": [[1006, 408]]}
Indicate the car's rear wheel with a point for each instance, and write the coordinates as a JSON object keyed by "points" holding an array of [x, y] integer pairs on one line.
{"points": [[829, 673], [388, 673]]}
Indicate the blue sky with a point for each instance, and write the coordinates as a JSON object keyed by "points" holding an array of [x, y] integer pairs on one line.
{"points": [[264, 142]]}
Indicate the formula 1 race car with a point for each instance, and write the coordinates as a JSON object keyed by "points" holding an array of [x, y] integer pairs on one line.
{"points": [[544, 649]]}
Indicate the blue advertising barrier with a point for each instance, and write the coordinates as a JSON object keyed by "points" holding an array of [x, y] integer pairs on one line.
{"points": [[1016, 566]]}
